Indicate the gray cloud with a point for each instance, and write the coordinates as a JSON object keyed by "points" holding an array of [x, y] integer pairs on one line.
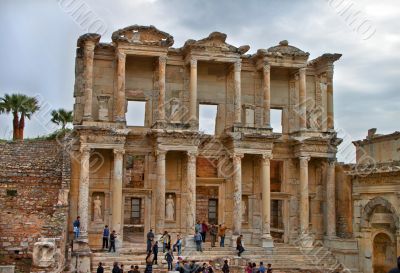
{"points": [[38, 47]]}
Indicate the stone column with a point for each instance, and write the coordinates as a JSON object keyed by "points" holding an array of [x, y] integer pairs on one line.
{"points": [[117, 201], [120, 103], [160, 192], [88, 55], [237, 194], [302, 99], [267, 94], [237, 88], [190, 200], [267, 241], [330, 199], [193, 90], [329, 91], [304, 202], [83, 205], [162, 60]]}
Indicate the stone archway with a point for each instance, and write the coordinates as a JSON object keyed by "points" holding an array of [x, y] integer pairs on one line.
{"points": [[383, 253], [370, 207]]}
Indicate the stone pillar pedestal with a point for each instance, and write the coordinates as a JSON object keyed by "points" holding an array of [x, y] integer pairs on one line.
{"points": [[80, 257]]}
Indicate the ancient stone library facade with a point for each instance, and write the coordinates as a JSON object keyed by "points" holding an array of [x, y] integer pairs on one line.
{"points": [[139, 159]]}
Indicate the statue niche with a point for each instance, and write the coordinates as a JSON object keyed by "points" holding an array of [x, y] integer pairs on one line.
{"points": [[170, 208], [98, 206]]}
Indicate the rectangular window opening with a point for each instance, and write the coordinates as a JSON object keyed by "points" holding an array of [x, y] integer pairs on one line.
{"points": [[135, 115], [135, 210], [207, 118], [276, 120]]}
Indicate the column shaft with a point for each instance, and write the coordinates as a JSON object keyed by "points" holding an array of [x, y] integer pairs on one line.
{"points": [[117, 201], [237, 88], [302, 99], [266, 195], [267, 94], [161, 84], [83, 205], [304, 202], [193, 90], [237, 194], [330, 199], [88, 54], [120, 104], [191, 193], [329, 91], [160, 192]]}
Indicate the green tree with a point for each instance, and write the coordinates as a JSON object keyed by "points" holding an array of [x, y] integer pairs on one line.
{"points": [[21, 107], [61, 117]]}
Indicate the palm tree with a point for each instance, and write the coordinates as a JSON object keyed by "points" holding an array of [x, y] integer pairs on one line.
{"points": [[61, 116], [21, 107]]}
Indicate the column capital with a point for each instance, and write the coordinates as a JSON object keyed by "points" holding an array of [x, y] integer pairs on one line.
{"points": [[302, 70], [193, 62], [191, 154], [121, 56], [237, 66], [237, 156], [119, 151], [266, 67], [85, 149], [162, 60], [160, 154], [265, 158], [304, 160], [331, 161]]}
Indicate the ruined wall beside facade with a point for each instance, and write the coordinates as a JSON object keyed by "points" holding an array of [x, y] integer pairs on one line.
{"points": [[34, 182]]}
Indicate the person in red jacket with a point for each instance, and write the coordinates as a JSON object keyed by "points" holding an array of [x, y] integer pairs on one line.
{"points": [[204, 229]]}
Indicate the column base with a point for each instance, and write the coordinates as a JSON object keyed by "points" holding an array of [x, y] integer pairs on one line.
{"points": [[233, 240], [189, 242], [267, 241], [306, 240], [80, 257]]}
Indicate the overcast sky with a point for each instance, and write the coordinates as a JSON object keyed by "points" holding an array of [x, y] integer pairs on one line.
{"points": [[38, 42]]}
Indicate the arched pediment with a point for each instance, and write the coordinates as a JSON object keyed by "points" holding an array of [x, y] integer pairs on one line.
{"points": [[143, 35], [372, 204]]}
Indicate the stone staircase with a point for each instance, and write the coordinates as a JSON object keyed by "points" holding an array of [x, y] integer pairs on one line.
{"points": [[284, 258]]}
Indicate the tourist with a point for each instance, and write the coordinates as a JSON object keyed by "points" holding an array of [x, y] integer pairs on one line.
{"points": [[179, 266], [106, 234], [198, 239], [131, 271], [197, 227], [213, 234], [155, 252], [239, 245], [100, 268], [254, 268], [221, 234], [395, 270], [77, 226], [136, 270], [178, 245], [169, 257], [115, 268], [166, 239], [210, 268], [192, 267], [225, 267], [249, 268], [204, 229], [149, 262], [113, 236], [150, 239], [261, 269], [269, 268], [121, 270]]}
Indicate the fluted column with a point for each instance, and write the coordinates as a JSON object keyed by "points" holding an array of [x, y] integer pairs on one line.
{"points": [[162, 60], [193, 90], [191, 193], [329, 91], [237, 88], [304, 202], [267, 94], [160, 192], [302, 99], [88, 55], [237, 194], [83, 205], [266, 200], [117, 193], [330, 199], [120, 102]]}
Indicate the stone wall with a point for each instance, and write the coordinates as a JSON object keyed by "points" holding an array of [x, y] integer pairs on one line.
{"points": [[34, 185]]}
